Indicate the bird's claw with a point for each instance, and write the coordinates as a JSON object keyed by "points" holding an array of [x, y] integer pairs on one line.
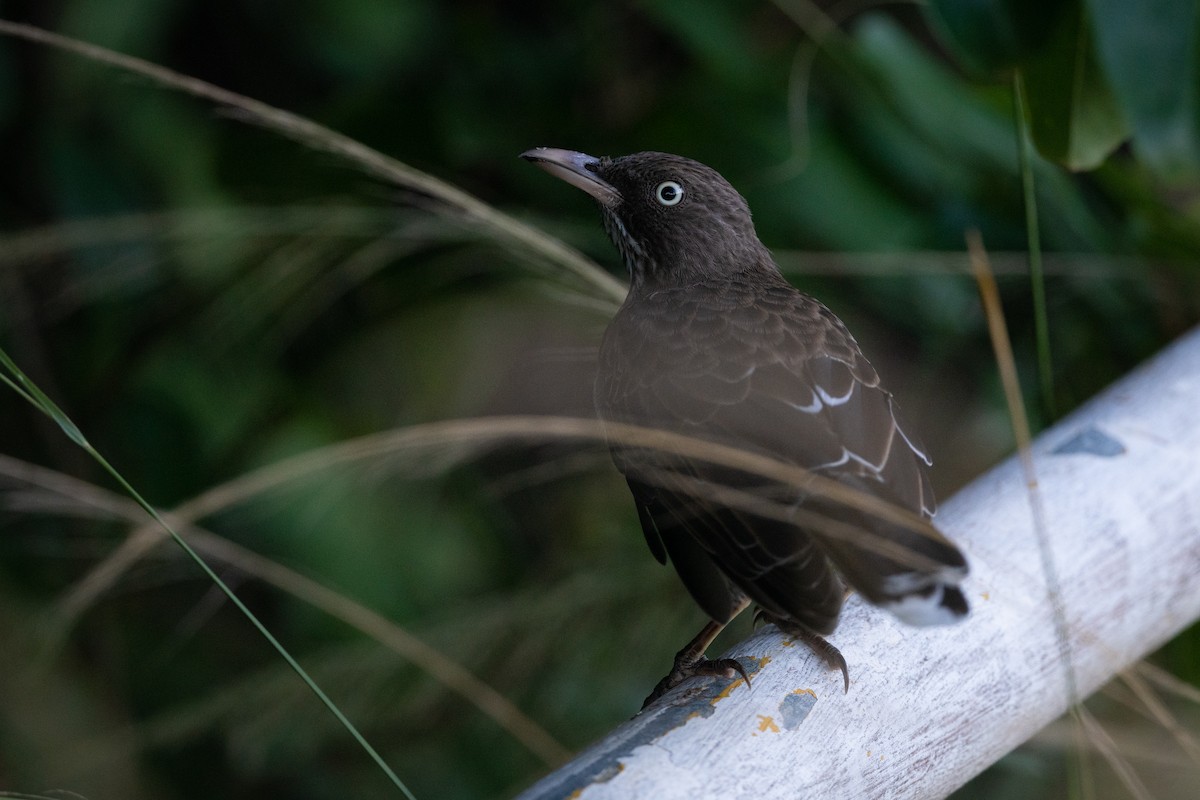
{"points": [[834, 658], [831, 655], [691, 667]]}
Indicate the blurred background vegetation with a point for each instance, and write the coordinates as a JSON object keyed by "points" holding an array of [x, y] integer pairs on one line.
{"points": [[206, 298]]}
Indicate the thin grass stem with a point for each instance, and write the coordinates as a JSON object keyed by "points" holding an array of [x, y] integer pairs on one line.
{"points": [[1037, 278], [44, 404], [525, 238], [1002, 345]]}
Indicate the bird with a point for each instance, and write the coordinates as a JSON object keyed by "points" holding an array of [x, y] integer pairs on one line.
{"points": [[713, 343]]}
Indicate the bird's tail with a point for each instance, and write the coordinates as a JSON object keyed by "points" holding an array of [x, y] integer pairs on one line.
{"points": [[912, 571], [938, 601]]}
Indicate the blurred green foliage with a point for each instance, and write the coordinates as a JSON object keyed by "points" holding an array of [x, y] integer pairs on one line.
{"points": [[1098, 71], [206, 298]]}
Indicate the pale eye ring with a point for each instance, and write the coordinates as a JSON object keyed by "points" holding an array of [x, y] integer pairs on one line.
{"points": [[668, 193]]}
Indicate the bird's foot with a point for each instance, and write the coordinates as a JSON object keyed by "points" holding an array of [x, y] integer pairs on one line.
{"points": [[688, 665], [833, 657]]}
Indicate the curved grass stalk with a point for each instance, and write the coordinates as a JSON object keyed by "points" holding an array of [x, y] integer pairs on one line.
{"points": [[437, 445], [82, 499], [526, 239]]}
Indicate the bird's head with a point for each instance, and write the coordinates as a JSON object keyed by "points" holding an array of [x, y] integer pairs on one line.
{"points": [[674, 220]]}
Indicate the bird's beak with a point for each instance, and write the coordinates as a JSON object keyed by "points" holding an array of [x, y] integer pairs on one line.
{"points": [[577, 169]]}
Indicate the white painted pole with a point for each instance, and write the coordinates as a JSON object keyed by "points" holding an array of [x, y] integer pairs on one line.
{"points": [[930, 708]]}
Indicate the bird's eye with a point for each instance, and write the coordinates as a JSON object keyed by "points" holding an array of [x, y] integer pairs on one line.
{"points": [[669, 193]]}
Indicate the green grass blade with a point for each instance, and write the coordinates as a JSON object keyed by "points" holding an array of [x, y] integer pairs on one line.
{"points": [[1037, 278], [29, 390]]}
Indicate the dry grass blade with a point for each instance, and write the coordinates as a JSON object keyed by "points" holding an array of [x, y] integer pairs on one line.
{"points": [[442, 444], [545, 472], [438, 445], [707, 493], [33, 244], [1161, 714], [83, 499], [759, 465], [352, 270], [1002, 346], [1103, 743], [90, 500], [1085, 775], [1167, 681], [525, 238], [432, 661], [951, 262]]}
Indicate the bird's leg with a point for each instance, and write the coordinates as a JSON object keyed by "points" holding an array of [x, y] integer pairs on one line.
{"points": [[833, 657], [690, 661]]}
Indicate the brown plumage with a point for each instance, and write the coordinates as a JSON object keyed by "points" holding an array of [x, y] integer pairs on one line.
{"points": [[713, 343]]}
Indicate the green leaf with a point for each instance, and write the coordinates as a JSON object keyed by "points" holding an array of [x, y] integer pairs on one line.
{"points": [[993, 35], [1074, 117], [1149, 52]]}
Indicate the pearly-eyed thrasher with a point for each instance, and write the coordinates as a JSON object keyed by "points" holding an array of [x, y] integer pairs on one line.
{"points": [[712, 342]]}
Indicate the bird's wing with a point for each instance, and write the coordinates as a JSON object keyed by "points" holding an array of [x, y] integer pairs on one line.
{"points": [[773, 371]]}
